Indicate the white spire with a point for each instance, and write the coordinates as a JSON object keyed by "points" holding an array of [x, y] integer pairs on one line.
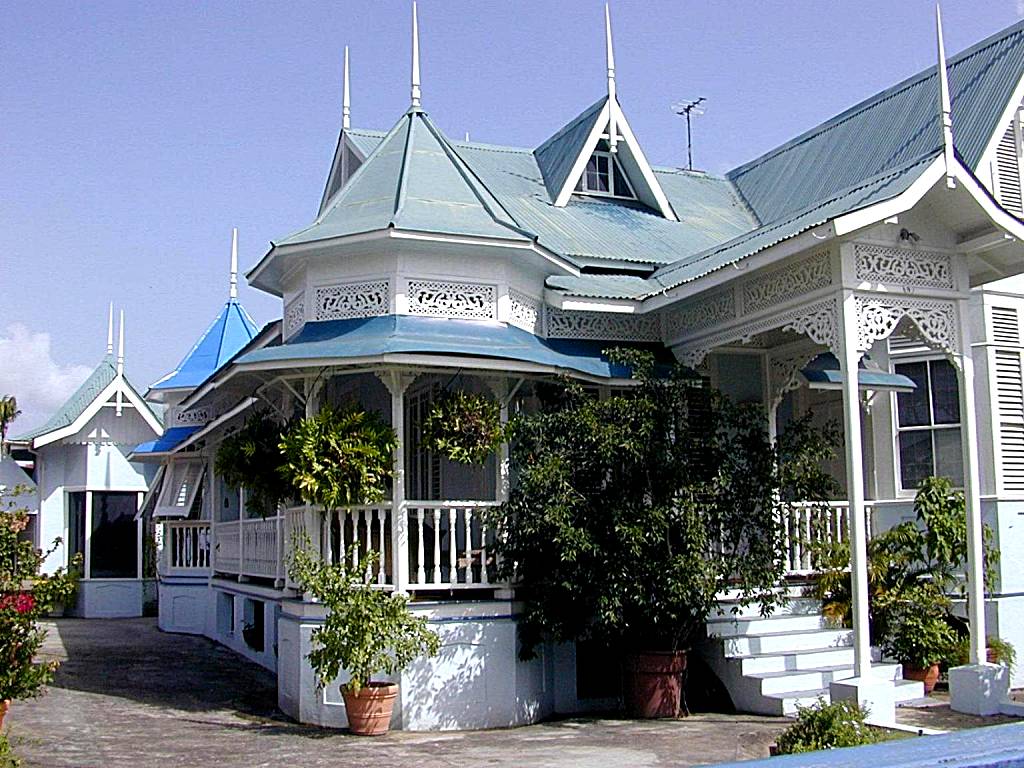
{"points": [[613, 137], [110, 330], [233, 289], [346, 107], [944, 104], [120, 347], [415, 58]]}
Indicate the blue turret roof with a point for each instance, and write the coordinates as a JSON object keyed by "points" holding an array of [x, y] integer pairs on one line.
{"points": [[229, 332]]}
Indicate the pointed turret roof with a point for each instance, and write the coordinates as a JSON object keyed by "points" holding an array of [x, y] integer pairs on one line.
{"points": [[231, 330], [413, 180]]}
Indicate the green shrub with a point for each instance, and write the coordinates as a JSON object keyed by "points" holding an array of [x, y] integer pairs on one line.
{"points": [[7, 757], [826, 726], [463, 427]]}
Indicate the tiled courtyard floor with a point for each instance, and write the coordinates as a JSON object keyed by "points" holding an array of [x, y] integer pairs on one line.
{"points": [[128, 695]]}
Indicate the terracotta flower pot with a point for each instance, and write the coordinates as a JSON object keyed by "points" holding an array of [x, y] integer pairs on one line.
{"points": [[654, 683], [4, 706], [927, 675], [369, 711]]}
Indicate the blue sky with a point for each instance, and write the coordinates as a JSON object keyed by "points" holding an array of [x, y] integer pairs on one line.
{"points": [[133, 136]]}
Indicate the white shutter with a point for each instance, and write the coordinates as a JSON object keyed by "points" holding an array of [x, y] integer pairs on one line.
{"points": [[1010, 401], [181, 483], [1008, 171], [1005, 326], [906, 345]]}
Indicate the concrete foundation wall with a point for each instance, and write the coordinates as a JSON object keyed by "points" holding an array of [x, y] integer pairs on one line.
{"points": [[110, 598], [185, 605]]}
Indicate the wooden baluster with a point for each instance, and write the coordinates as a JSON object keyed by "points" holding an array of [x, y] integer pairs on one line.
{"points": [[806, 563], [787, 540], [381, 578], [367, 516], [467, 516], [421, 574], [353, 515], [436, 574], [483, 550], [453, 576]]}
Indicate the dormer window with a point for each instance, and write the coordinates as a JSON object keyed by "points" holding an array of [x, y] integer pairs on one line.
{"points": [[603, 176]]}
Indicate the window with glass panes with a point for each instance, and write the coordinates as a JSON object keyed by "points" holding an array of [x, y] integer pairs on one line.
{"points": [[928, 424], [603, 175]]}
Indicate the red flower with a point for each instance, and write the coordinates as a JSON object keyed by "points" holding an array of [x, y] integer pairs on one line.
{"points": [[21, 603]]}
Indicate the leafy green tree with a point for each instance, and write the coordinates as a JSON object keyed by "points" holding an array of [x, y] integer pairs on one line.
{"points": [[629, 515], [8, 412]]}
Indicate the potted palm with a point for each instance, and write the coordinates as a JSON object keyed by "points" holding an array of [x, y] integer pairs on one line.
{"points": [[918, 634], [335, 459]]}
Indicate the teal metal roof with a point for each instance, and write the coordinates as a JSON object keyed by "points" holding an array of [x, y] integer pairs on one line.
{"points": [[412, 180], [231, 330], [888, 131], [556, 156], [80, 400], [365, 141]]}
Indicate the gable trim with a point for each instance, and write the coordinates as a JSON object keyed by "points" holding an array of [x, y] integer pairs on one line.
{"points": [[101, 400], [988, 157]]}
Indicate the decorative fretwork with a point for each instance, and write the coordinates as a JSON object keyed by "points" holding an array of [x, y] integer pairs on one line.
{"points": [[878, 316], [704, 313], [784, 365], [191, 417], [294, 315], [607, 326], [466, 301], [787, 283], [903, 266], [349, 300], [818, 320], [525, 312]]}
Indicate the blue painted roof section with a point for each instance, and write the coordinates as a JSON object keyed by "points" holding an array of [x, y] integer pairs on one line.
{"points": [[994, 746], [824, 369], [397, 334], [413, 180], [231, 330], [888, 130], [167, 441], [556, 156]]}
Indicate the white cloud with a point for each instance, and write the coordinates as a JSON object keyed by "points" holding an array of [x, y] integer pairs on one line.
{"points": [[29, 372]]}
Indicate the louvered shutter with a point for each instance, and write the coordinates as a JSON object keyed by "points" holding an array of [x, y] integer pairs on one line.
{"points": [[1007, 174], [181, 484], [1009, 395]]}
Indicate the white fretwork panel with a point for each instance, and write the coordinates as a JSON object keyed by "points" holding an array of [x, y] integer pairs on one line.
{"points": [[526, 312], [465, 301], [787, 283], [819, 321], [934, 319], [189, 418], [903, 266], [349, 300], [704, 313], [294, 315], [784, 365], [606, 326]]}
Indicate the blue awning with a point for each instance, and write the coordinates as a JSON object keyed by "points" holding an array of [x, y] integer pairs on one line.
{"points": [[823, 373], [401, 334], [166, 442]]}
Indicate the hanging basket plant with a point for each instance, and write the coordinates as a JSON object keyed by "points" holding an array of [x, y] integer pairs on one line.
{"points": [[251, 458], [463, 427]]}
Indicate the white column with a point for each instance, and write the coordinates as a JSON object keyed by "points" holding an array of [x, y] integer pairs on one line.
{"points": [[397, 382], [87, 537]]}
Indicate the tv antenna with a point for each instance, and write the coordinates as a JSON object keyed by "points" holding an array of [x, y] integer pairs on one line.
{"points": [[686, 108]]}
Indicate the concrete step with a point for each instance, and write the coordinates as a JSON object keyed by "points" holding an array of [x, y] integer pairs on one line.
{"points": [[908, 690], [796, 604], [790, 662], [787, 642], [756, 625], [816, 679]]}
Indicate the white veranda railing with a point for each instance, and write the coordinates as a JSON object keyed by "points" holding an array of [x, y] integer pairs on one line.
{"points": [[249, 547], [186, 547], [808, 525], [451, 545]]}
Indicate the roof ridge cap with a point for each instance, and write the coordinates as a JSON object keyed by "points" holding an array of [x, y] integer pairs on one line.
{"points": [[599, 104]]}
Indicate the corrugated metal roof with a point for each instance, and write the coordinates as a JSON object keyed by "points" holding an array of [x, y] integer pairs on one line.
{"points": [[556, 156], [397, 334], [167, 441], [364, 140], [888, 130], [231, 330]]}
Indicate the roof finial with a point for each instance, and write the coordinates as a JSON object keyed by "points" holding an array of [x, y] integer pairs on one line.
{"points": [[233, 289], [120, 347], [415, 58], [944, 104], [345, 105], [110, 329], [613, 136]]}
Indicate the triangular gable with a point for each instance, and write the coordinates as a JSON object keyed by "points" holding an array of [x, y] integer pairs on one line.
{"points": [[563, 158]]}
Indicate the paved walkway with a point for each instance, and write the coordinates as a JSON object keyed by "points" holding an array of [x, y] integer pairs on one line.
{"points": [[128, 695]]}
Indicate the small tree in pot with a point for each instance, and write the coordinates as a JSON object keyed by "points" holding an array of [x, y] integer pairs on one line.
{"points": [[335, 459], [630, 515]]}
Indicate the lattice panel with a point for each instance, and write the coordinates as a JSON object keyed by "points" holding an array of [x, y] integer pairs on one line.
{"points": [[903, 266], [191, 417], [788, 283], [466, 301], [294, 315], [606, 326], [703, 313], [348, 300], [878, 315], [525, 312]]}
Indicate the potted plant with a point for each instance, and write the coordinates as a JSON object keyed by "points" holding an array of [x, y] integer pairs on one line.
{"points": [[366, 632], [918, 635], [250, 458], [629, 515], [463, 427]]}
